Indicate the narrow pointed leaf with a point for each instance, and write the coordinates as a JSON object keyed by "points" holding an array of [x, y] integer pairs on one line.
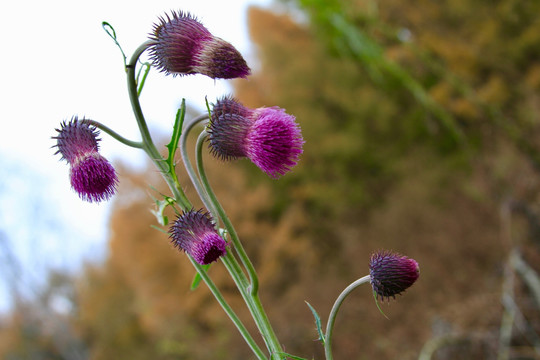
{"points": [[140, 82], [294, 357], [177, 132], [159, 229], [378, 306], [317, 323], [197, 278]]}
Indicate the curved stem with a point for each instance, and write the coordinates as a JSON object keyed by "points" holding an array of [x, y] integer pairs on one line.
{"points": [[253, 303], [148, 143], [115, 135], [249, 293], [230, 262], [189, 167], [334, 311], [230, 312], [134, 95], [254, 280], [148, 146]]}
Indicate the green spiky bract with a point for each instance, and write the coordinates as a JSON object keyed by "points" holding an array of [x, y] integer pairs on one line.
{"points": [[317, 323]]}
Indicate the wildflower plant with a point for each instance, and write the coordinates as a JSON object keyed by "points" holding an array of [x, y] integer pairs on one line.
{"points": [[268, 136]]}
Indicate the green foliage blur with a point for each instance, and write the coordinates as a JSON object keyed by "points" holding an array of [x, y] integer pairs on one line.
{"points": [[421, 121]]}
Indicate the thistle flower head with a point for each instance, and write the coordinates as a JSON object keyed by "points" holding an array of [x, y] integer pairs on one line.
{"points": [[392, 273], [181, 45], [269, 137], [91, 175], [93, 178], [76, 138], [194, 233], [274, 142]]}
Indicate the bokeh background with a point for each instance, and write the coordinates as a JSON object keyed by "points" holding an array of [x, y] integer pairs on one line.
{"points": [[421, 121]]}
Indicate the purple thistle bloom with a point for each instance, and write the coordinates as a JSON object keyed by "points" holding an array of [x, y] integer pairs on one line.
{"points": [[181, 45], [392, 273], [76, 138], [91, 175], [93, 178], [269, 137], [194, 233]]}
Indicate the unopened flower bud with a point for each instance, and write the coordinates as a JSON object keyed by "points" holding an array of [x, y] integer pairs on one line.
{"points": [[91, 175], [194, 233], [392, 273], [181, 45], [269, 137]]}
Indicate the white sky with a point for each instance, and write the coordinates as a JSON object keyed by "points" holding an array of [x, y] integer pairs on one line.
{"points": [[57, 61]]}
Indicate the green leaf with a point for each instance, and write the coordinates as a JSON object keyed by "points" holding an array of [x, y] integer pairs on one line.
{"points": [[317, 323], [294, 357], [159, 229], [197, 278], [177, 132], [208, 107], [223, 233], [161, 205], [378, 306], [140, 82], [110, 31]]}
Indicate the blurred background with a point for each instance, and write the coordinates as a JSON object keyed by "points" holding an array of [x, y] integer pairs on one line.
{"points": [[422, 129]]}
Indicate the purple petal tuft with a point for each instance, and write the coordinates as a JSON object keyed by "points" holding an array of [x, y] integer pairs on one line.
{"points": [[274, 142], [93, 178], [194, 233]]}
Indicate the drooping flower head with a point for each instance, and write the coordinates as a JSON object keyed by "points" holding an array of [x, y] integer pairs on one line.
{"points": [[194, 233], [91, 175], [269, 137], [181, 45], [392, 273]]}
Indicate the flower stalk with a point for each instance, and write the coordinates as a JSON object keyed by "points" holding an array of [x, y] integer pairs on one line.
{"points": [[147, 142], [333, 314], [226, 307], [250, 293]]}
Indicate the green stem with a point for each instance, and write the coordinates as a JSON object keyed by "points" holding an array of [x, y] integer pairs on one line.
{"points": [[230, 312], [134, 96], [148, 146], [333, 314], [254, 280], [251, 299], [115, 135], [189, 167], [148, 143], [250, 293], [234, 269], [230, 262]]}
